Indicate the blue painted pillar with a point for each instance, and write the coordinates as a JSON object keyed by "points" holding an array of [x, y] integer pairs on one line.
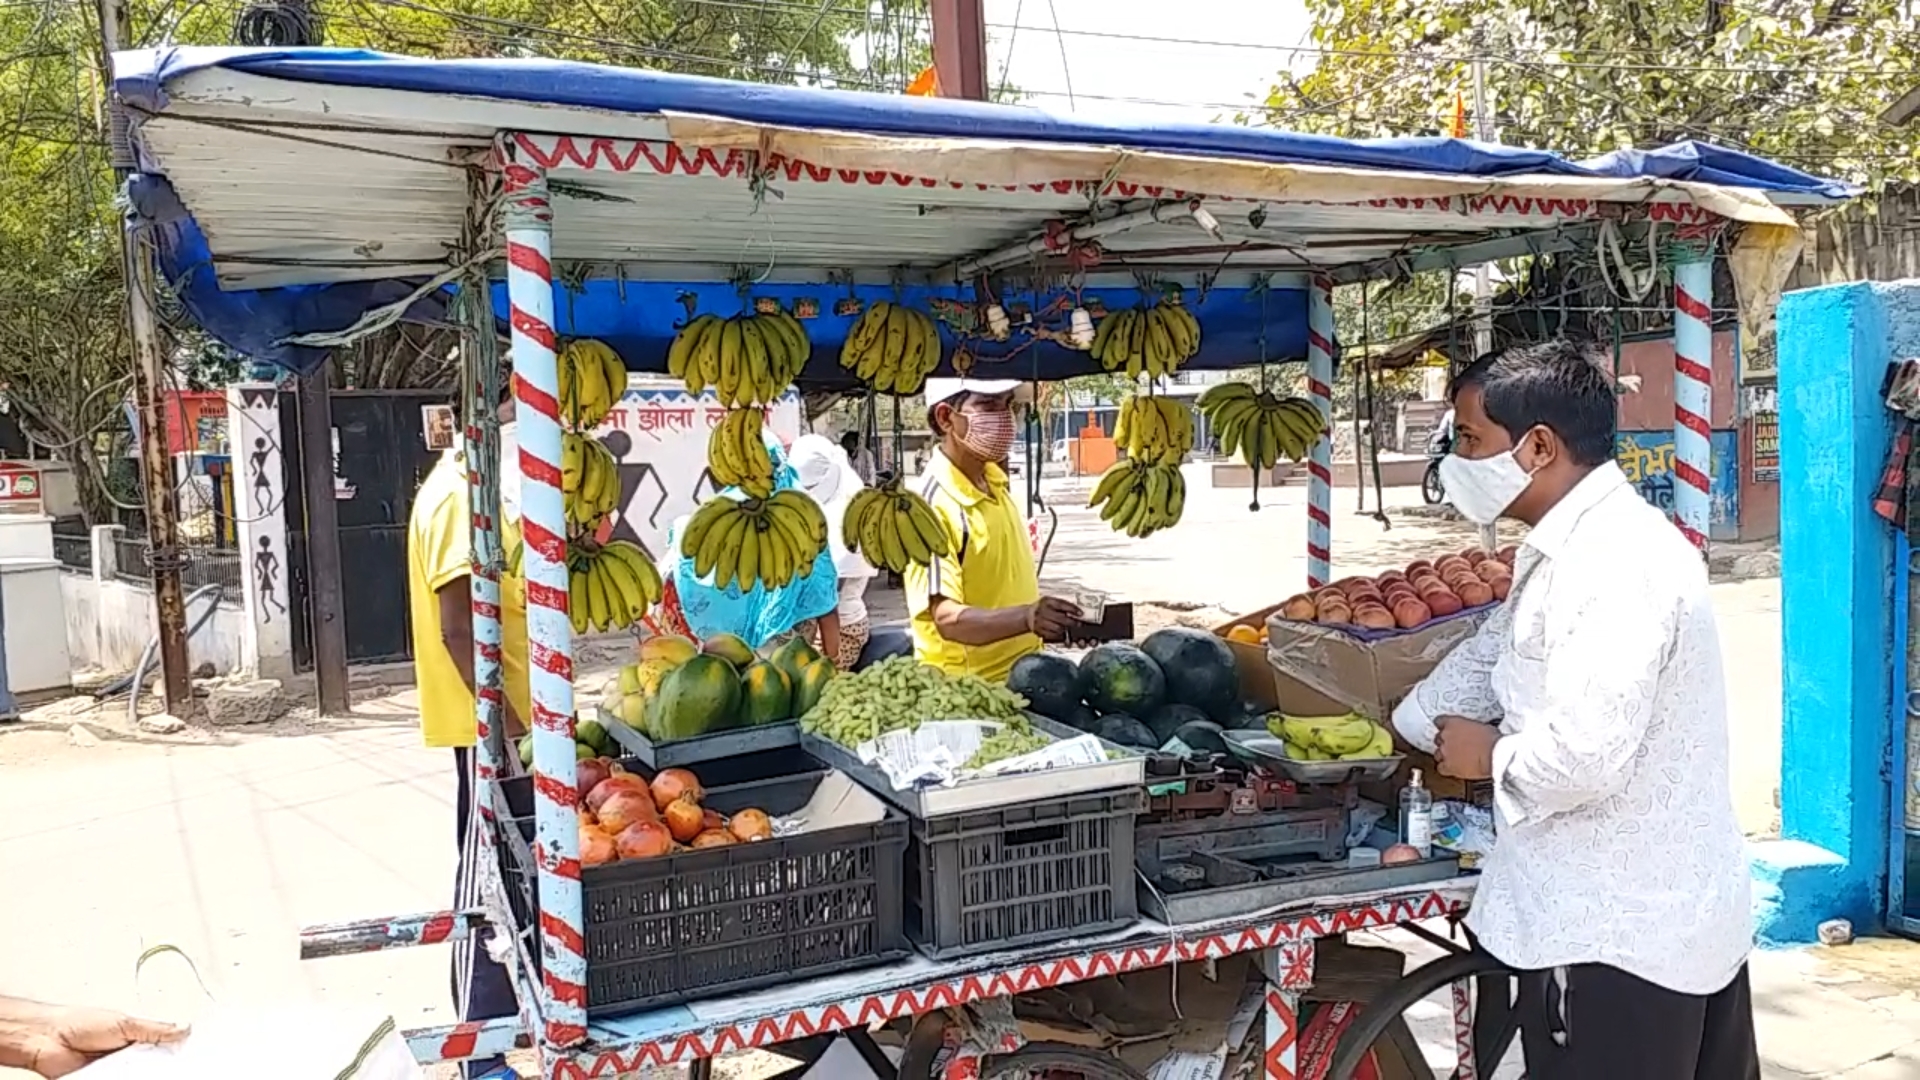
{"points": [[1837, 626]]}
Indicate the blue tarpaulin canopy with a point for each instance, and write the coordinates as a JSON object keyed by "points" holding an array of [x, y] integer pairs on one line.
{"points": [[294, 190]]}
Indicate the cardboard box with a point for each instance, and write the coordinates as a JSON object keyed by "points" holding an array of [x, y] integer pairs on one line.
{"points": [[1367, 676]]}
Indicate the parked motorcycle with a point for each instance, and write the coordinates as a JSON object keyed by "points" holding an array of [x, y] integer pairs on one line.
{"points": [[1439, 445]]}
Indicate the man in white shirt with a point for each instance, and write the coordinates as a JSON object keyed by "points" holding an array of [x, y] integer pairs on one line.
{"points": [[1595, 702]]}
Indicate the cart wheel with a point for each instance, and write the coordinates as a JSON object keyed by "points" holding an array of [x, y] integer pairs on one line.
{"points": [[1055, 1061], [924, 1043], [1382, 1025]]}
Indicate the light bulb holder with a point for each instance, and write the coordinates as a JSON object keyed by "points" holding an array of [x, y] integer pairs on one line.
{"points": [[1080, 330], [1205, 219], [997, 322]]}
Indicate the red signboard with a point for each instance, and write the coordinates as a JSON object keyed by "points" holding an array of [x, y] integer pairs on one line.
{"points": [[19, 486]]}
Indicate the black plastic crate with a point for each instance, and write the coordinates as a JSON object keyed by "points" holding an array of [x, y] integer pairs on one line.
{"points": [[1023, 875], [727, 920]]}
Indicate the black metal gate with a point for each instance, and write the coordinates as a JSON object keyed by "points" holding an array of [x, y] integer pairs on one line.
{"points": [[380, 458]]}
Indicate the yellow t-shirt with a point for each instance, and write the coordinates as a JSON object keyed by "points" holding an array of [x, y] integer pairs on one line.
{"points": [[992, 567], [440, 552]]}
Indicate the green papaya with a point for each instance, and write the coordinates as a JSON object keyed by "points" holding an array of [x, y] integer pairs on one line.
{"points": [[793, 656], [813, 679], [700, 696], [767, 694]]}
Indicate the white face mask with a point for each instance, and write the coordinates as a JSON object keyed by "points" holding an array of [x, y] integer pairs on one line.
{"points": [[1482, 488]]}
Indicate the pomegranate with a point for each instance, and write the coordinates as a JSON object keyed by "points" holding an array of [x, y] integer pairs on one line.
{"points": [[683, 819], [644, 840], [713, 838], [673, 785], [626, 808], [612, 785], [589, 773], [749, 825], [712, 819], [596, 847]]}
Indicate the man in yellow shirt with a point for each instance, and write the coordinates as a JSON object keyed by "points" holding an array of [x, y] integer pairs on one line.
{"points": [[979, 609], [440, 606]]}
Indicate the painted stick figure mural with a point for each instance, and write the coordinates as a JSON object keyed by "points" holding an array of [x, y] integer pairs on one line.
{"points": [[260, 520], [266, 578]]}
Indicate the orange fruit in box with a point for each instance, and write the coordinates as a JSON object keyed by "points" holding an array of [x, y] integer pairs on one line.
{"points": [[1244, 634]]}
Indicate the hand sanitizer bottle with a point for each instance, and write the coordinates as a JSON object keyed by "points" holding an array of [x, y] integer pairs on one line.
{"points": [[1416, 816]]}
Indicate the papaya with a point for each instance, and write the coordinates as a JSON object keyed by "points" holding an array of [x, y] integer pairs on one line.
{"points": [[672, 648], [698, 697], [767, 694], [730, 648], [813, 679], [793, 656]]}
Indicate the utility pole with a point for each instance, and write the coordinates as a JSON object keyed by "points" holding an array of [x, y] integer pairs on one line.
{"points": [[156, 470], [960, 48], [1485, 131]]}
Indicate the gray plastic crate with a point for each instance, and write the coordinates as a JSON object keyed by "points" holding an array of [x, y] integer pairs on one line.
{"points": [[1027, 874]]}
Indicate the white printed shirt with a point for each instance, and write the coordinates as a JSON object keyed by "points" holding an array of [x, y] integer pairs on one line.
{"points": [[1618, 843]]}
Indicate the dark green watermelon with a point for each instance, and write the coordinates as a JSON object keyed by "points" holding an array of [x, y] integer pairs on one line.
{"points": [[1082, 718], [1199, 669], [1049, 682], [1201, 735], [1118, 677], [1170, 718], [1249, 716], [1123, 730]]}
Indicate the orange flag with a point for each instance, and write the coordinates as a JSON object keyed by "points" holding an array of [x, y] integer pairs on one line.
{"points": [[925, 84], [1458, 129]]}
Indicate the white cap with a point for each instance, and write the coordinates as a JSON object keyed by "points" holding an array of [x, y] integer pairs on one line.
{"points": [[939, 390]]}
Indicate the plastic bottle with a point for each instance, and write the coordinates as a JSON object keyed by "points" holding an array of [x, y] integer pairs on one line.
{"points": [[1416, 816]]}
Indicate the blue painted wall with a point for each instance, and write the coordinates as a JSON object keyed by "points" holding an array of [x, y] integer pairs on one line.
{"points": [[1647, 459], [1836, 606]]}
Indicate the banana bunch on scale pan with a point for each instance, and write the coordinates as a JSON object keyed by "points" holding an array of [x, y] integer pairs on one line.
{"points": [[610, 587], [589, 478], [746, 359], [592, 380], [892, 347], [769, 541], [894, 529], [1147, 340], [1259, 426], [1351, 737]]}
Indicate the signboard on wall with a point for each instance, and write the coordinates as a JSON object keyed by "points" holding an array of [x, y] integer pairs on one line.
{"points": [[1763, 444], [20, 488], [1647, 459], [1755, 356]]}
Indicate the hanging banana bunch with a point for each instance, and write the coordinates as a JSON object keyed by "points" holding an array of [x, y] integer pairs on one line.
{"points": [[592, 379], [892, 348], [748, 359], [894, 528], [1154, 429], [589, 479], [737, 453], [767, 541], [610, 587], [1147, 340], [1260, 426], [1139, 496]]}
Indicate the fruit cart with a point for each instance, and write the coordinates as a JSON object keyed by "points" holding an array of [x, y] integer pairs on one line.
{"points": [[298, 199]]}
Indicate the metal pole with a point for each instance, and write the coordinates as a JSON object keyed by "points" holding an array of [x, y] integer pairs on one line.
{"points": [[1485, 131], [9, 708], [480, 349], [1320, 464], [1692, 390], [960, 48], [543, 528], [162, 501], [327, 606]]}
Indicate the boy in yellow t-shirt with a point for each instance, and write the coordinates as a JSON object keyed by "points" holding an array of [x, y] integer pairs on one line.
{"points": [[440, 606]]}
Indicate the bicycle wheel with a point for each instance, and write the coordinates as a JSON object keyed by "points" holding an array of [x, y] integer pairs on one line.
{"points": [[1490, 1041], [1054, 1061], [1430, 488]]}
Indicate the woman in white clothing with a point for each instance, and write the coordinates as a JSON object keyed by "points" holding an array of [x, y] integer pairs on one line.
{"points": [[828, 478]]}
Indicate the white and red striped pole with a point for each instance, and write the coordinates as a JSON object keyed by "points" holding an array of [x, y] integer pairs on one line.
{"points": [[1320, 464], [483, 503], [536, 387], [1693, 391]]}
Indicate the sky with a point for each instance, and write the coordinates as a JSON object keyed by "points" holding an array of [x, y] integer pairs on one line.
{"points": [[1115, 77]]}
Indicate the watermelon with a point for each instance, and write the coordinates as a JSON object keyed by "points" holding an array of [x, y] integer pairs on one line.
{"points": [[1083, 718], [730, 648], [1202, 736], [699, 696], [813, 679], [1050, 683], [793, 656], [1123, 730], [1249, 716], [767, 694], [1199, 669], [1170, 718], [1118, 677]]}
